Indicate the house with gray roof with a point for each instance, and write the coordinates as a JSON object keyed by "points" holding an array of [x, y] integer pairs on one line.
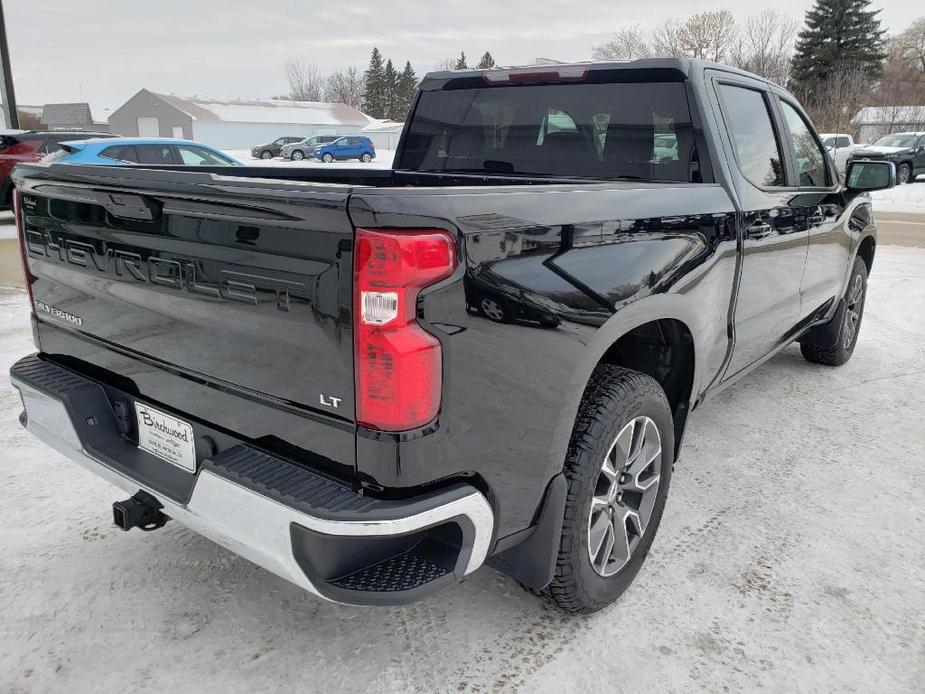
{"points": [[75, 116], [232, 123]]}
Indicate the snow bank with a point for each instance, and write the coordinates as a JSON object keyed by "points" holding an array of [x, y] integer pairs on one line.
{"points": [[383, 160]]}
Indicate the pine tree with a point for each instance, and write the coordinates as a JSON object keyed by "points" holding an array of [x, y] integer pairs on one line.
{"points": [[461, 62], [407, 86], [487, 62], [373, 95], [838, 34], [389, 90]]}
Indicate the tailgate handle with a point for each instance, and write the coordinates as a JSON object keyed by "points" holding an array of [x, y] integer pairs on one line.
{"points": [[129, 206]]}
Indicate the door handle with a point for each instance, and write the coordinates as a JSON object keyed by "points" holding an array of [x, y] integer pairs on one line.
{"points": [[758, 230]]}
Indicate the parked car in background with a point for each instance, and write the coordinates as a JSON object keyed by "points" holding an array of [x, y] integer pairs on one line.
{"points": [[906, 150], [28, 146], [272, 149], [127, 150], [305, 149], [349, 147], [840, 146]]}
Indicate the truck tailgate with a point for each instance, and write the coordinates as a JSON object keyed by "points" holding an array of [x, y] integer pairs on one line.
{"points": [[240, 282]]}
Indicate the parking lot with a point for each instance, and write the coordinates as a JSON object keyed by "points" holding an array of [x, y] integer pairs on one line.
{"points": [[790, 558]]}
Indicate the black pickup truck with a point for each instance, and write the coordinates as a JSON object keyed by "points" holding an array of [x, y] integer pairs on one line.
{"points": [[373, 382]]}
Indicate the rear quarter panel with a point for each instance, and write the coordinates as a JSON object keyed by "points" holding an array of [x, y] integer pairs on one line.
{"points": [[600, 260]]}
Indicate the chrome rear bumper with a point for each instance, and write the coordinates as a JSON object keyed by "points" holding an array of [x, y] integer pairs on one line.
{"points": [[299, 545]]}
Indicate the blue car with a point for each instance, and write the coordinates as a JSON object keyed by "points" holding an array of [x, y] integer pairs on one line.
{"points": [[143, 151], [348, 147]]}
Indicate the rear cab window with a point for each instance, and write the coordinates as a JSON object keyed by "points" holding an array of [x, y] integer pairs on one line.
{"points": [[599, 130]]}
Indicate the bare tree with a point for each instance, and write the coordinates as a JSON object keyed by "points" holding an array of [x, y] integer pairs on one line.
{"points": [[306, 82], [345, 86], [628, 43], [446, 64], [666, 39], [833, 106], [765, 45], [708, 35], [911, 43]]}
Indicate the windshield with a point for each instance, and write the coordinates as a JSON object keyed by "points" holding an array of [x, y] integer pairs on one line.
{"points": [[634, 131], [897, 140]]}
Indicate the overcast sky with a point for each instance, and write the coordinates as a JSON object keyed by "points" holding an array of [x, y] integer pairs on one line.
{"points": [[103, 51]]}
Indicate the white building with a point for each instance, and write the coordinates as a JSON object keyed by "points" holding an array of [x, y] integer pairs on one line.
{"points": [[232, 123], [384, 134], [873, 122]]}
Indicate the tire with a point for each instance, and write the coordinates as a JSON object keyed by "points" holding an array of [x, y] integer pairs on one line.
{"points": [[855, 297], [266, 154], [616, 401], [904, 174], [494, 310], [327, 158], [366, 157], [298, 155]]}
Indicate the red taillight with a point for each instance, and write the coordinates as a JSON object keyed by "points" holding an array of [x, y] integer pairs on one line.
{"points": [[398, 364], [23, 254]]}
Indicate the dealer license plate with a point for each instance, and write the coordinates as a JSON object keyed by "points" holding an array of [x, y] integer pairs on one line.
{"points": [[165, 436]]}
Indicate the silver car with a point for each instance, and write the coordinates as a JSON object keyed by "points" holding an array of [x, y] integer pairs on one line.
{"points": [[304, 149]]}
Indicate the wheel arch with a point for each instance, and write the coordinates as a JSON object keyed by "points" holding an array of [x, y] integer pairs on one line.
{"points": [[659, 336], [867, 248]]}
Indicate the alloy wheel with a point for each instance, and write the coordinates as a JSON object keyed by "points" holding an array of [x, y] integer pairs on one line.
{"points": [[624, 496], [855, 301], [492, 309], [266, 155], [298, 156]]}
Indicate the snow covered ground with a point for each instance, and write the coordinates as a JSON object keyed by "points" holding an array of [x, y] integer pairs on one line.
{"points": [[789, 559], [383, 160], [905, 198]]}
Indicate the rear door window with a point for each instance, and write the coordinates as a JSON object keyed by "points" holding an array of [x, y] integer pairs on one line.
{"points": [[748, 120], [113, 153], [155, 154], [631, 131]]}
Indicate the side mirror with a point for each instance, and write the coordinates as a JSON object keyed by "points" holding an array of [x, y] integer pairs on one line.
{"points": [[865, 175]]}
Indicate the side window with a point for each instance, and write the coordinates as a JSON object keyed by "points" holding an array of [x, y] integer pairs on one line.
{"points": [[842, 142], [808, 158], [130, 154], [756, 147], [155, 154], [113, 153]]}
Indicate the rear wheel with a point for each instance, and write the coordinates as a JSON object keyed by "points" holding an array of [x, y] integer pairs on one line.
{"points": [[904, 174], [327, 158], [366, 157], [618, 469], [841, 351], [298, 155]]}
